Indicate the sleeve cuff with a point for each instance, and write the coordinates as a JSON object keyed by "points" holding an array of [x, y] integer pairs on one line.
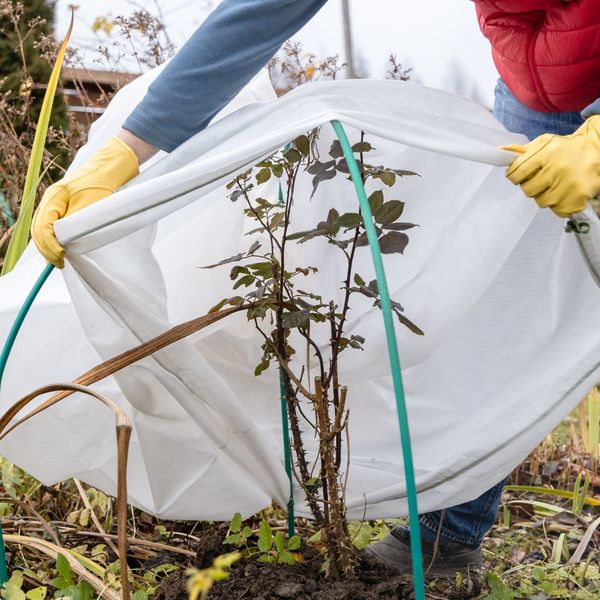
{"points": [[592, 109], [152, 135]]}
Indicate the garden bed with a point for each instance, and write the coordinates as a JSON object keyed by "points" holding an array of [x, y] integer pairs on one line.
{"points": [[250, 579]]}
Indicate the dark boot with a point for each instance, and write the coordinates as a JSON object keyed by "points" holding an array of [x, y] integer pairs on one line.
{"points": [[445, 561]]}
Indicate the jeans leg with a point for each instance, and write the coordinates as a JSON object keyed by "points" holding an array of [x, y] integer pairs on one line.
{"points": [[519, 118], [465, 523]]}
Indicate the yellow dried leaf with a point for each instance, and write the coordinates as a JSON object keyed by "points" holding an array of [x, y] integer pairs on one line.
{"points": [[84, 517]]}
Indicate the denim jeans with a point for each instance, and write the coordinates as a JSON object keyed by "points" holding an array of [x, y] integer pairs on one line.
{"points": [[467, 523]]}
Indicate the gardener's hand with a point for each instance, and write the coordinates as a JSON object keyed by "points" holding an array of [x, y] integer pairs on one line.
{"points": [[107, 170], [560, 172]]}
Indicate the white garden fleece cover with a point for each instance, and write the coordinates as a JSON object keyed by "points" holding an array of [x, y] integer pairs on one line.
{"points": [[510, 312]]}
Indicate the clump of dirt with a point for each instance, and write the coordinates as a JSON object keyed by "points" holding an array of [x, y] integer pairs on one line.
{"points": [[250, 579]]}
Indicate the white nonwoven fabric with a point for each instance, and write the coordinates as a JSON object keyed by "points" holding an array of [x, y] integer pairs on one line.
{"points": [[510, 313]]}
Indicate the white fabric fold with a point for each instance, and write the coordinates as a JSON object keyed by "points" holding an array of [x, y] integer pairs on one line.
{"points": [[509, 311]]}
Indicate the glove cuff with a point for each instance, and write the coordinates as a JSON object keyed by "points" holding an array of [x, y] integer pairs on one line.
{"points": [[594, 122], [123, 160]]}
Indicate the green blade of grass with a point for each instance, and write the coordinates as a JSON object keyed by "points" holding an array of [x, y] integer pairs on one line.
{"points": [[20, 235], [552, 492], [560, 550], [593, 406]]}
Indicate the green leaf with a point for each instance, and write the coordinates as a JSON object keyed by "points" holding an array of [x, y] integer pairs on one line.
{"points": [[237, 271], [387, 177], [292, 156], [225, 261], [264, 268], [393, 242], [11, 590], [262, 366], [389, 212], [499, 590], [336, 150], [317, 166], [267, 558], [403, 173], [247, 531], [263, 175], [287, 558], [233, 539], [86, 591], [342, 166], [350, 220], [64, 568], [20, 235], [408, 323], [245, 281], [294, 543], [277, 220], [38, 593], [320, 177], [253, 248], [358, 280], [297, 318], [265, 536], [302, 143], [362, 147], [399, 226], [305, 235], [315, 538], [332, 218], [376, 201], [279, 542], [360, 534], [236, 523]]}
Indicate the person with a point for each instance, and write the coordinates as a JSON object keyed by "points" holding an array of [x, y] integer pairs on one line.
{"points": [[548, 55]]}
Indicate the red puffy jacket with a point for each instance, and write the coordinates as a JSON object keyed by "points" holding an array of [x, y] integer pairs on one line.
{"points": [[547, 51]]}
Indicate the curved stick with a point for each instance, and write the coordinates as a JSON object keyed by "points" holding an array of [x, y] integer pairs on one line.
{"points": [[123, 426]]}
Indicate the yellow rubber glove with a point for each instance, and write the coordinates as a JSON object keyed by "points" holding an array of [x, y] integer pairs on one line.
{"points": [[561, 172], [107, 170]]}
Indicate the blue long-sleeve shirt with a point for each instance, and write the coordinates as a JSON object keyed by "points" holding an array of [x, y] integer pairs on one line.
{"points": [[237, 39]]}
